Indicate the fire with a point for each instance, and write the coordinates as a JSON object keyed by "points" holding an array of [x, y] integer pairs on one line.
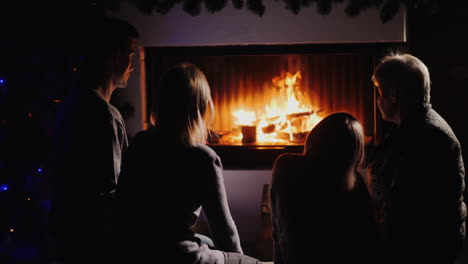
{"points": [[287, 118], [244, 118]]}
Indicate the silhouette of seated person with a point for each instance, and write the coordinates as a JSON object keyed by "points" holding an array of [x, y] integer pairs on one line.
{"points": [[168, 176], [321, 211], [89, 138], [416, 173]]}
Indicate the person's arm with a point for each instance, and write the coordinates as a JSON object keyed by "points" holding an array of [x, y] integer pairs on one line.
{"points": [[215, 206]]}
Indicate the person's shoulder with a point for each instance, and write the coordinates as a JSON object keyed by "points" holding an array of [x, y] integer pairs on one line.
{"points": [[141, 138], [287, 163], [140, 147], [83, 106], [288, 160], [142, 135], [288, 173], [86, 102], [89, 96], [206, 163], [204, 152], [439, 130]]}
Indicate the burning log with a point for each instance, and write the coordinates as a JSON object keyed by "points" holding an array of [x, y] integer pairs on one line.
{"points": [[273, 127], [269, 129], [291, 116], [279, 126], [298, 137]]}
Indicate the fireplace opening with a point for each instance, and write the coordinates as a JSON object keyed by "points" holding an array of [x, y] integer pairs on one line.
{"points": [[268, 97]]}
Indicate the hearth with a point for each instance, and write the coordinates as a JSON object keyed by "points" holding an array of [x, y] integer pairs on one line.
{"points": [[267, 97]]}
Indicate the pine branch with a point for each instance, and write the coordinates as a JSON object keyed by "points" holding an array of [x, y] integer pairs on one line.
{"points": [[145, 6], [256, 6], [324, 7], [238, 4], [355, 7], [215, 5], [387, 8], [193, 7], [294, 5], [165, 6]]}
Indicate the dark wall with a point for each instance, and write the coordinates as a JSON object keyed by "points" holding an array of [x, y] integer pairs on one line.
{"points": [[440, 41]]}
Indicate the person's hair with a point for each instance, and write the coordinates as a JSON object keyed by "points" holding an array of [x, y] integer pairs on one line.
{"points": [[406, 76], [338, 143], [101, 38], [182, 104]]}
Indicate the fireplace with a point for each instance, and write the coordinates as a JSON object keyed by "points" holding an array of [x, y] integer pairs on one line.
{"points": [[267, 97]]}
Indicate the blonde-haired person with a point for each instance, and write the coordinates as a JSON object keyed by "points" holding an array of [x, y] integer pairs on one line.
{"points": [[321, 211], [169, 175], [416, 174]]}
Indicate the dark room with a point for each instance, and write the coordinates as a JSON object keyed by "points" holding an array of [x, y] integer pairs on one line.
{"points": [[233, 131]]}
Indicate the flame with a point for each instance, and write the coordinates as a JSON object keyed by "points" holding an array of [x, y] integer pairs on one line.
{"points": [[285, 101], [286, 115], [244, 118]]}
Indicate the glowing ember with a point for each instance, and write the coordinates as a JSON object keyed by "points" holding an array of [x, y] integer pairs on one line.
{"points": [[287, 118]]}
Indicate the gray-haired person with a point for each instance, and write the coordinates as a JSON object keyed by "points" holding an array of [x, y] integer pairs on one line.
{"points": [[416, 175]]}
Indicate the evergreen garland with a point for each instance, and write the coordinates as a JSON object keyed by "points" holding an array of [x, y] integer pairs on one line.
{"points": [[387, 8], [193, 7], [238, 3], [215, 5], [256, 6]]}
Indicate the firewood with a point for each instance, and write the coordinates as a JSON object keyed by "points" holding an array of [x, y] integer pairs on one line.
{"points": [[291, 116], [269, 129]]}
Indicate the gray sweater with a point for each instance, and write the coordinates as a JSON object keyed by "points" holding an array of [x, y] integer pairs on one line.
{"points": [[89, 140], [162, 188], [417, 181]]}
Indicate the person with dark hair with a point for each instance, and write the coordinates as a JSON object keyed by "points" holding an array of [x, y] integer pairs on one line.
{"points": [[169, 175], [321, 210], [89, 139], [416, 174]]}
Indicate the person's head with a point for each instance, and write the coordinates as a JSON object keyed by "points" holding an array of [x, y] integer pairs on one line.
{"points": [[183, 104], [107, 47], [403, 83], [338, 143]]}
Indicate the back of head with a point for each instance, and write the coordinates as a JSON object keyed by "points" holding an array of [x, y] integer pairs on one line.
{"points": [[407, 77], [100, 39], [336, 142], [183, 104]]}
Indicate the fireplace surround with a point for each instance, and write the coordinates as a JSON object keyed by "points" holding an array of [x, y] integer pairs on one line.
{"points": [[328, 78]]}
